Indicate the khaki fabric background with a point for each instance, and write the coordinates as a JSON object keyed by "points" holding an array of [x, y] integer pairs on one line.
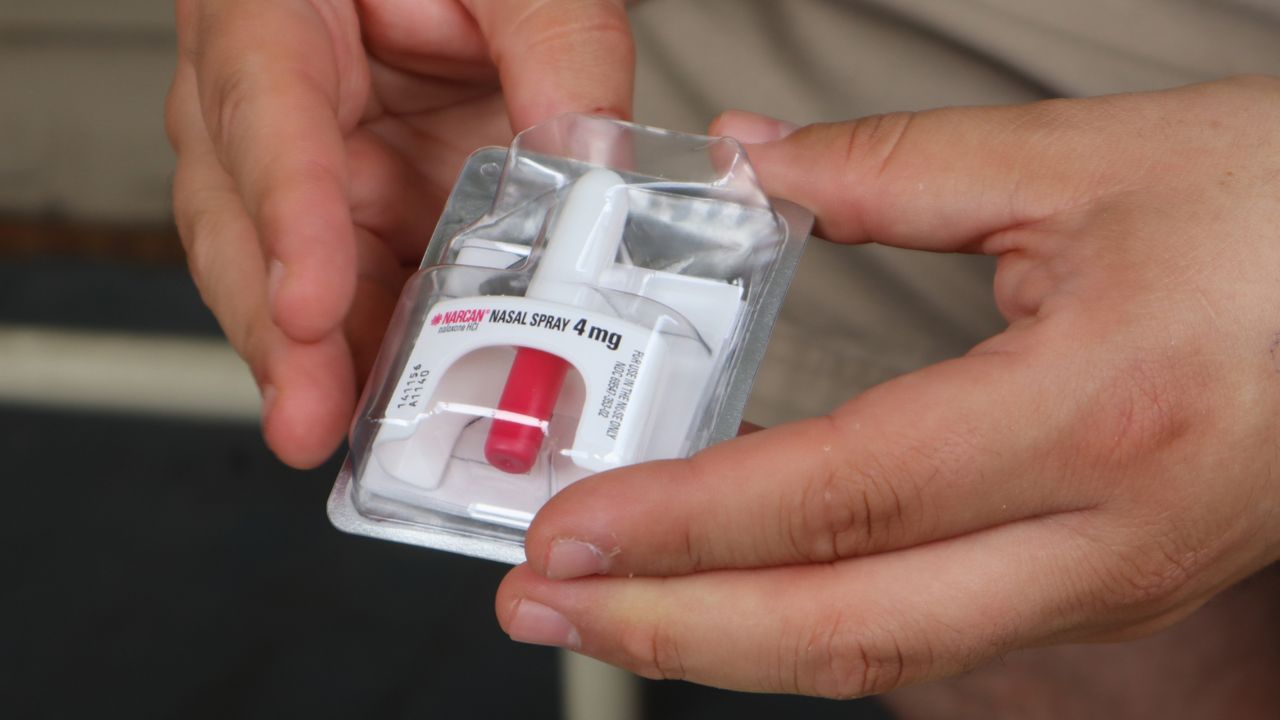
{"points": [[860, 315]]}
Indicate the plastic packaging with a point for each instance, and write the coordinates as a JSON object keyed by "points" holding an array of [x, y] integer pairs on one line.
{"points": [[599, 297]]}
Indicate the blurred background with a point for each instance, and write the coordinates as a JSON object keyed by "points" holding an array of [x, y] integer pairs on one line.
{"points": [[158, 561]]}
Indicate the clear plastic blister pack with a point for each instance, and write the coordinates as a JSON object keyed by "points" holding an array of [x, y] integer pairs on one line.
{"points": [[597, 295]]}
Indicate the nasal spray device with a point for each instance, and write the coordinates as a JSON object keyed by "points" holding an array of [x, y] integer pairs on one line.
{"points": [[581, 245], [598, 295]]}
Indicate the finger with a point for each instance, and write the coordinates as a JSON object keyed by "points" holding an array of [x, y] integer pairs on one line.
{"points": [[308, 388], [275, 100], [389, 197], [380, 280], [924, 457], [403, 172], [557, 56], [425, 42], [220, 241], [308, 405], [938, 180], [849, 629]]}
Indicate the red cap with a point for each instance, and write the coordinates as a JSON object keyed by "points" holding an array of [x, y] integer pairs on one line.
{"points": [[532, 389]]}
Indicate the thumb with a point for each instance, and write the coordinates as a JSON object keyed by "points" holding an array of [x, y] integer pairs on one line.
{"points": [[937, 180]]}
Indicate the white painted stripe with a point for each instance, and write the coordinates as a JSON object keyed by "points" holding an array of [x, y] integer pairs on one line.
{"points": [[125, 372]]}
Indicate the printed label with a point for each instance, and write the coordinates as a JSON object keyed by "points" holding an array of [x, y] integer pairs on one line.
{"points": [[609, 353]]}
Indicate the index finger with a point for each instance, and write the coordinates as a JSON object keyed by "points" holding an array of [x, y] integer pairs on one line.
{"points": [[949, 179], [924, 457], [275, 100], [557, 56]]}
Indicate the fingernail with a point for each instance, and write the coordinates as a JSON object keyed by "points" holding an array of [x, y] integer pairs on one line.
{"points": [[275, 278], [753, 128], [570, 558], [537, 624]]}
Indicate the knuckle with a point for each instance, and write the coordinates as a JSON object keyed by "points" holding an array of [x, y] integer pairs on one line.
{"points": [[198, 235], [1144, 581], [652, 651], [1145, 409], [228, 102], [690, 544], [199, 230], [601, 22], [871, 142], [833, 520], [272, 212], [1148, 578], [859, 153], [593, 31], [840, 659], [281, 189], [853, 506]]}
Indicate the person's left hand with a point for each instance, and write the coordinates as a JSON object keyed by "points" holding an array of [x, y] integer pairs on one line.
{"points": [[1094, 473]]}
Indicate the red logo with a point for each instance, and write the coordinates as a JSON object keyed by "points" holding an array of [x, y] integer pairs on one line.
{"points": [[455, 317]]}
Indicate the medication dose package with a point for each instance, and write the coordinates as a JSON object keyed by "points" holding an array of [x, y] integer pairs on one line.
{"points": [[598, 295]]}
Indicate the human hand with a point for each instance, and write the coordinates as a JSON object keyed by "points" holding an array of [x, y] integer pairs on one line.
{"points": [[1094, 473], [317, 141]]}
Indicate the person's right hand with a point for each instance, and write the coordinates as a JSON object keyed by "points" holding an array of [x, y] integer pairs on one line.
{"points": [[317, 141], [1094, 473]]}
